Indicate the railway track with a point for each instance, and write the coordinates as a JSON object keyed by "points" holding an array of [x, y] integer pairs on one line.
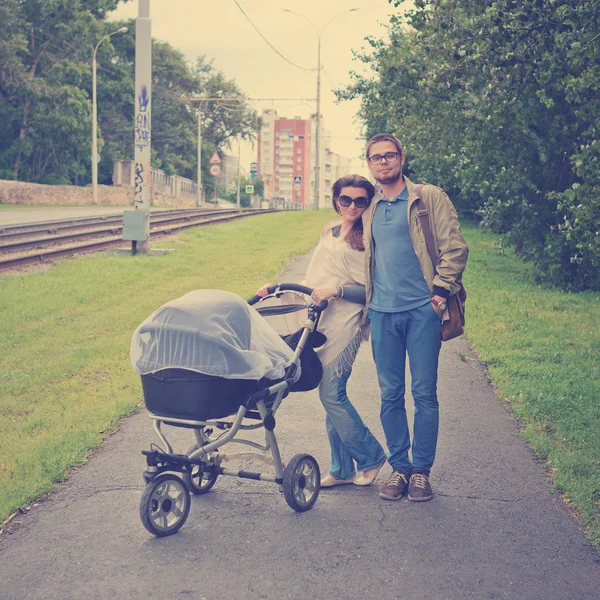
{"points": [[34, 243]]}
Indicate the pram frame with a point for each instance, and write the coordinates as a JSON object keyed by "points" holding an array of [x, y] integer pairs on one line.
{"points": [[205, 456]]}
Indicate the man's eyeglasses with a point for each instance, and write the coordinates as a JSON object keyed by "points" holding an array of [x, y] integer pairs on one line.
{"points": [[389, 157], [360, 202]]}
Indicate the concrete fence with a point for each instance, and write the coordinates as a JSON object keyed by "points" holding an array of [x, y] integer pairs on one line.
{"points": [[170, 185]]}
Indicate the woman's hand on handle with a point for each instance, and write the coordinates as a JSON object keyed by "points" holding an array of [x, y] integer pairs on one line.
{"points": [[263, 291]]}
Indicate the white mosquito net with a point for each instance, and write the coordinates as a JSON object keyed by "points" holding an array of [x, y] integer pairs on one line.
{"points": [[211, 332]]}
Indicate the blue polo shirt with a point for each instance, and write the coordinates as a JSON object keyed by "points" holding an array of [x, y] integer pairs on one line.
{"points": [[398, 282]]}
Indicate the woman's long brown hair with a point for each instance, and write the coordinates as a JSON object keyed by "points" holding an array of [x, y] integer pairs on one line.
{"points": [[355, 236]]}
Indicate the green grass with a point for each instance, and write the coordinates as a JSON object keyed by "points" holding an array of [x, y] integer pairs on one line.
{"points": [[65, 378], [542, 349]]}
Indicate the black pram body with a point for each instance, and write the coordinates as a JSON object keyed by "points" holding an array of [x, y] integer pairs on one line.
{"points": [[203, 355]]}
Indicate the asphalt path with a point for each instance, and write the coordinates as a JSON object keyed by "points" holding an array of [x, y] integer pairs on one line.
{"points": [[493, 530]]}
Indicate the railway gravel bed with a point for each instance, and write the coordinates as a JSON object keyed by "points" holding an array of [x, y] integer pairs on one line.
{"points": [[33, 244]]}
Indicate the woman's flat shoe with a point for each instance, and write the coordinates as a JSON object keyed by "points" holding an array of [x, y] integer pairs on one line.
{"points": [[330, 481], [362, 480]]}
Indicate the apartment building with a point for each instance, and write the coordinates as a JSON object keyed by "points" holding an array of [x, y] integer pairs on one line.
{"points": [[284, 158]]}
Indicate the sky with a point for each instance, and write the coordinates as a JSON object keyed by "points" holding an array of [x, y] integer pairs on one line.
{"points": [[219, 30]]}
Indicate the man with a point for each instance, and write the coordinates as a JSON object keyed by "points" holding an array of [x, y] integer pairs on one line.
{"points": [[406, 302]]}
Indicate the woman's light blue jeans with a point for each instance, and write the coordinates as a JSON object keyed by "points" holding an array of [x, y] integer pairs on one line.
{"points": [[350, 439], [415, 332]]}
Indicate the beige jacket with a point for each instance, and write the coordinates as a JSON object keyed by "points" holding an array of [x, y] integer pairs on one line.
{"points": [[452, 250]]}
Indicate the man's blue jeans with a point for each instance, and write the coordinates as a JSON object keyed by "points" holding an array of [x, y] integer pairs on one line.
{"points": [[350, 439], [415, 332]]}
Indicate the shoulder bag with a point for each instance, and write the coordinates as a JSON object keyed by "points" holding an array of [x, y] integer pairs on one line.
{"points": [[455, 304]]}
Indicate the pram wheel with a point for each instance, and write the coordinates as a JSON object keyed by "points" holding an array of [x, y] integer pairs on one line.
{"points": [[302, 482], [165, 505], [198, 482]]}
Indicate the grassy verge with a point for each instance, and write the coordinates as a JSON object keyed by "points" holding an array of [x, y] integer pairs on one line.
{"points": [[542, 349], [65, 378]]}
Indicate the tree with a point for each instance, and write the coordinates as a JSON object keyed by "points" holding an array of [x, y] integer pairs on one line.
{"points": [[246, 199], [497, 102], [46, 96], [45, 58]]}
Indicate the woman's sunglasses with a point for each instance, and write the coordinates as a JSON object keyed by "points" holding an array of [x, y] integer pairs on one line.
{"points": [[360, 202]]}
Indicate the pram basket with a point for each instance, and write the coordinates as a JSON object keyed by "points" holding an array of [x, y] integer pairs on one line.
{"points": [[205, 403]]}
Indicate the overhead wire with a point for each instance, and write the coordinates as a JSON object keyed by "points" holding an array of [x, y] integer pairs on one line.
{"points": [[269, 43], [333, 85]]}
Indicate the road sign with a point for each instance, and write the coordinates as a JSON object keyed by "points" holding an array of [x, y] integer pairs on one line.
{"points": [[215, 170], [298, 179], [249, 189], [253, 175], [253, 166], [215, 159]]}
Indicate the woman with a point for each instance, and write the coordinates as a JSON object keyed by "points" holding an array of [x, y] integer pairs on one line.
{"points": [[336, 273]]}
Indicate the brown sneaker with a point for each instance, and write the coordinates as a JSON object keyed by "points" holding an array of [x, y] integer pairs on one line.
{"points": [[395, 487], [419, 488]]}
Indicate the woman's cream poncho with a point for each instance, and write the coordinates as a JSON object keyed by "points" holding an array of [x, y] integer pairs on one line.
{"points": [[335, 263]]}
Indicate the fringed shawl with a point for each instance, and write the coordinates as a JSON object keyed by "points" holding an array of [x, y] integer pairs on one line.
{"points": [[335, 263]]}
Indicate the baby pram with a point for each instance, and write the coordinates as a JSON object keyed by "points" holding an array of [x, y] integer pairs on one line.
{"points": [[208, 356]]}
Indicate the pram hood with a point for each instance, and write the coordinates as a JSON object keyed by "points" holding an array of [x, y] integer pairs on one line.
{"points": [[211, 332]]}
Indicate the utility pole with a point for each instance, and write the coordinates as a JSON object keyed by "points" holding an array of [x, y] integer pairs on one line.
{"points": [[318, 116], [238, 173], [318, 131], [136, 223]]}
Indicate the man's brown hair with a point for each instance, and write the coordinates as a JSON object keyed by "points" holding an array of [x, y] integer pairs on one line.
{"points": [[383, 137]]}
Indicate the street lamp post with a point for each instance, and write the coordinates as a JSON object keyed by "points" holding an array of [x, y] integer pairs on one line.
{"points": [[95, 119], [199, 176], [238, 203], [318, 117]]}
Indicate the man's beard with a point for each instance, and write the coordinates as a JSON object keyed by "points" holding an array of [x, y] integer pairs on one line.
{"points": [[392, 178]]}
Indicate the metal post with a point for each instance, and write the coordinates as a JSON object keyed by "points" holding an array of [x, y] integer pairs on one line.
{"points": [[95, 118], [143, 109], [199, 177], [239, 204]]}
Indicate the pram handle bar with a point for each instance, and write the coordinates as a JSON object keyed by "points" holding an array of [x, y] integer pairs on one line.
{"points": [[288, 287]]}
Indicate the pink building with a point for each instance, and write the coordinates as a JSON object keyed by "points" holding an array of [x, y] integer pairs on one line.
{"points": [[284, 153]]}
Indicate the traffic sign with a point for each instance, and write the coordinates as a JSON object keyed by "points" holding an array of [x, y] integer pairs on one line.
{"points": [[298, 179], [249, 189], [215, 159], [215, 170], [253, 174]]}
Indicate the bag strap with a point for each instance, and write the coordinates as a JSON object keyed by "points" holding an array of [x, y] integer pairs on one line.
{"points": [[425, 225]]}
